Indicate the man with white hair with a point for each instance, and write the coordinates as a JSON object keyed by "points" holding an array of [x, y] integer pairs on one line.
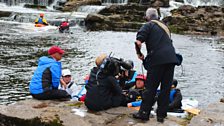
{"points": [[159, 63]]}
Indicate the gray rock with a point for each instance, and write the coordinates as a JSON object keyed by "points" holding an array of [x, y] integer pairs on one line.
{"points": [[61, 113], [182, 1], [75, 4], [202, 20], [222, 100], [34, 6], [213, 115], [5, 13]]}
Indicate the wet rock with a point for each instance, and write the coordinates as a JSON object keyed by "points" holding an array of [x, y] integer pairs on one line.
{"points": [[117, 17], [73, 5], [160, 3], [213, 115], [222, 100], [34, 6], [152, 3], [124, 17], [202, 20], [181, 1], [59, 5], [68, 113], [5, 13]]}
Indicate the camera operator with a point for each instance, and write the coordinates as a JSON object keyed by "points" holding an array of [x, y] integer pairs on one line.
{"points": [[103, 90], [127, 76]]}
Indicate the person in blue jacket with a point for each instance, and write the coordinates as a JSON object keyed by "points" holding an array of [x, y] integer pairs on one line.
{"points": [[127, 77], [41, 20], [46, 79], [175, 99]]}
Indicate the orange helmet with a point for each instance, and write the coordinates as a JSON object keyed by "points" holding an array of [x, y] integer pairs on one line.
{"points": [[41, 14]]}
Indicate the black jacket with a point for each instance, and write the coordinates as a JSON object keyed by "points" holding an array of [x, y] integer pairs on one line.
{"points": [[104, 94], [158, 44], [176, 103]]}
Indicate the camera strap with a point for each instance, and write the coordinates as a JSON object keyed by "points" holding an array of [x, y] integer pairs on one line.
{"points": [[163, 26]]}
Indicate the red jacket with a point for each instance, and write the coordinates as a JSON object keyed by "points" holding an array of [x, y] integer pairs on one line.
{"points": [[64, 24]]}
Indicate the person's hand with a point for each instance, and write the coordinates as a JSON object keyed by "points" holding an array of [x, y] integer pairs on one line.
{"points": [[141, 56], [63, 84], [129, 105], [138, 43], [138, 46]]}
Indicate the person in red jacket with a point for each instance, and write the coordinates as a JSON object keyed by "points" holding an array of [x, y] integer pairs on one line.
{"points": [[64, 26]]}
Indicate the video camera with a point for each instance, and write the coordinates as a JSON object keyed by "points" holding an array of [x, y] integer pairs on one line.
{"points": [[113, 66]]}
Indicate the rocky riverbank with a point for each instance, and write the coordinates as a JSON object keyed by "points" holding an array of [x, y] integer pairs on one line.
{"points": [[202, 20], [213, 115], [60, 113], [67, 113]]}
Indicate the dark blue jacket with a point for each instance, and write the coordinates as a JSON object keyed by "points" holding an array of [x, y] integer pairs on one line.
{"points": [[158, 44], [46, 76]]}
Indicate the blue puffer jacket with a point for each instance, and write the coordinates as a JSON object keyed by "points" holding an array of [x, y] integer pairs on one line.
{"points": [[46, 77]]}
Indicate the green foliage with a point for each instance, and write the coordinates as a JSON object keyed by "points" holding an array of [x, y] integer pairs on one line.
{"points": [[77, 104], [55, 122], [175, 29], [189, 117]]}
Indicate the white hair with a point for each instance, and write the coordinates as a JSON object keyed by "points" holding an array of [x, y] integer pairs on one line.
{"points": [[151, 13]]}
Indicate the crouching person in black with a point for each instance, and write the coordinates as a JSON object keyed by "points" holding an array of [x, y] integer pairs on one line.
{"points": [[103, 90], [175, 98]]}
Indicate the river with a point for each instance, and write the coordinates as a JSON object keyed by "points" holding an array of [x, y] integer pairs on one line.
{"points": [[21, 44], [201, 76]]}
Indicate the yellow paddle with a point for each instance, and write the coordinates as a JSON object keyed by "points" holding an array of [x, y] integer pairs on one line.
{"points": [[189, 110], [192, 111]]}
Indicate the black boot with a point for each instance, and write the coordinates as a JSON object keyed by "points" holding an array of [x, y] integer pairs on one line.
{"points": [[141, 115], [160, 119]]}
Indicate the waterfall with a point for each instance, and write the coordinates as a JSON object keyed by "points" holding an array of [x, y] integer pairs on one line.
{"points": [[173, 5], [90, 9], [105, 2], [35, 2], [204, 2], [51, 7]]}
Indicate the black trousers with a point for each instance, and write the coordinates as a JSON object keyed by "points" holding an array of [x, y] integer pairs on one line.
{"points": [[52, 94], [158, 75], [116, 101]]}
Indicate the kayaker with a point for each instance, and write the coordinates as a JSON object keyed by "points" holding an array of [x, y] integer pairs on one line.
{"points": [[41, 20], [175, 97], [64, 26], [46, 79], [135, 92], [127, 77]]}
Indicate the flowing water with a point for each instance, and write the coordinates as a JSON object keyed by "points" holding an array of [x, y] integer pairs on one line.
{"points": [[204, 2], [21, 44]]}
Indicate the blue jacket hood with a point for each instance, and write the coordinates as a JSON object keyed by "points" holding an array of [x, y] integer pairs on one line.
{"points": [[45, 60]]}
